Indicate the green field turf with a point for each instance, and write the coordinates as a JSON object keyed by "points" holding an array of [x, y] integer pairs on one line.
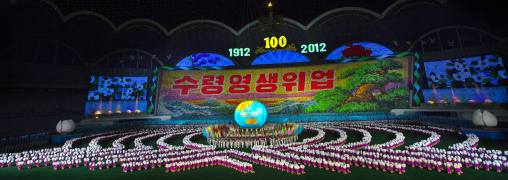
{"points": [[262, 172]]}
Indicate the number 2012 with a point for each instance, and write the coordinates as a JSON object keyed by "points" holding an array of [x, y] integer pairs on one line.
{"points": [[310, 48]]}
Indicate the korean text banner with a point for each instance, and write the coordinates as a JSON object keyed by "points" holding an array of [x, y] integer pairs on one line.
{"points": [[352, 87]]}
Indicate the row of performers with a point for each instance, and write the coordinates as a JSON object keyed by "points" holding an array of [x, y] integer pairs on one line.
{"points": [[331, 162], [211, 161], [249, 142], [224, 131]]}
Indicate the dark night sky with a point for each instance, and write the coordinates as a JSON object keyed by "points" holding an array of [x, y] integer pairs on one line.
{"points": [[489, 14], [235, 13]]}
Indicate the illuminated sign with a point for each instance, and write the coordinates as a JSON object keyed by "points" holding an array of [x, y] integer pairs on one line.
{"points": [[273, 44], [235, 52], [344, 87]]}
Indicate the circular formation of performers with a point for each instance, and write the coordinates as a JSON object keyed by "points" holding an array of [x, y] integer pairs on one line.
{"points": [[290, 154]]}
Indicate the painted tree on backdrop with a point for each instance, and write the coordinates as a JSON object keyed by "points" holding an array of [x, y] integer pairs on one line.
{"points": [[363, 80]]}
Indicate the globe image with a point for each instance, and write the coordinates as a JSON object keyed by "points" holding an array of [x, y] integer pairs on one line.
{"points": [[251, 114]]}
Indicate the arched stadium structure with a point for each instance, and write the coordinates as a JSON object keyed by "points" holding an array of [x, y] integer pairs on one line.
{"points": [[363, 89]]}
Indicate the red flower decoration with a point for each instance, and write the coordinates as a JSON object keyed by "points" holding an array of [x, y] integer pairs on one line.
{"points": [[355, 51]]}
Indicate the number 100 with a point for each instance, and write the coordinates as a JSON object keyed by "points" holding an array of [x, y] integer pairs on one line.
{"points": [[273, 42]]}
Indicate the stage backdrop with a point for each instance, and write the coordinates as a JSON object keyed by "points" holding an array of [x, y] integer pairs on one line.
{"points": [[116, 94], [466, 80], [347, 87]]}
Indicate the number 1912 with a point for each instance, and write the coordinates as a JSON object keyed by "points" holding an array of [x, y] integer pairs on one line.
{"points": [[235, 52]]}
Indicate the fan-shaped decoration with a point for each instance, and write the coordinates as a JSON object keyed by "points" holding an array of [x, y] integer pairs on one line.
{"points": [[205, 60], [359, 52], [280, 57]]}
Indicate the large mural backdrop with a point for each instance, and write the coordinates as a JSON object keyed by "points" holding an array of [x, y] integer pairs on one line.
{"points": [[346, 87], [466, 80]]}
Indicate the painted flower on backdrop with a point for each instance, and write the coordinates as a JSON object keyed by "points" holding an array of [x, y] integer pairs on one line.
{"points": [[478, 78], [125, 96], [110, 91], [458, 66], [139, 87], [459, 77], [92, 80], [92, 96], [482, 64], [102, 91], [129, 90], [102, 85], [105, 83], [121, 81], [217, 59], [465, 72], [108, 82], [107, 91], [435, 78], [502, 73]]}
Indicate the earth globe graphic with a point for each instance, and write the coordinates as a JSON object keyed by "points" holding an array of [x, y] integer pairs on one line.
{"points": [[251, 114]]}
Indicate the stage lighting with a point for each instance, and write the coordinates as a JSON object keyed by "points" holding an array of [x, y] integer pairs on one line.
{"points": [[128, 111]]}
